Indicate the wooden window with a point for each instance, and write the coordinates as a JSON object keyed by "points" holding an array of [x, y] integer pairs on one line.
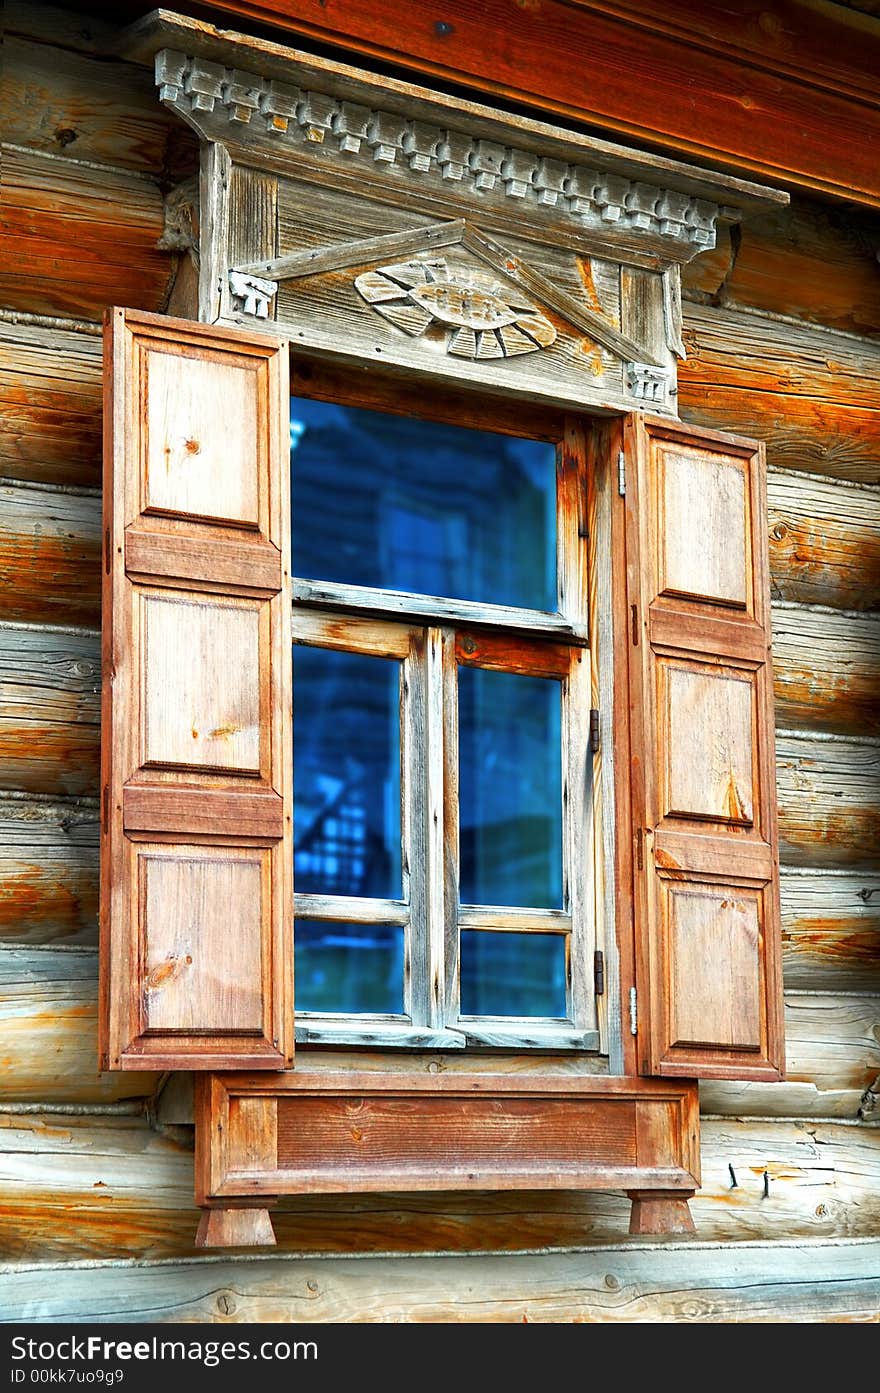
{"points": [[198, 805], [441, 699]]}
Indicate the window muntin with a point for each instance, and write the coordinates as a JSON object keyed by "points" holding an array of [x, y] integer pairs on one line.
{"points": [[492, 928]]}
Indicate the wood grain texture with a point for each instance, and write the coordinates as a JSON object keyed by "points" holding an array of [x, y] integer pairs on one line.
{"points": [[831, 929], [704, 801], [82, 107], [829, 808], [50, 554], [812, 261], [824, 541], [703, 102], [50, 405], [49, 1029], [48, 871], [792, 1280], [808, 393], [195, 702], [826, 669], [49, 710], [78, 238], [75, 1187]]}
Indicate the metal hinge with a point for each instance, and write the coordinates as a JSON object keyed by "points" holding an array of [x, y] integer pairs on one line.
{"points": [[633, 1013], [621, 474], [599, 972], [594, 731]]}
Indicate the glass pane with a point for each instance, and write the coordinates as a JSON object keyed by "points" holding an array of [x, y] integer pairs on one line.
{"points": [[346, 774], [352, 968], [512, 974], [401, 504], [510, 782]]}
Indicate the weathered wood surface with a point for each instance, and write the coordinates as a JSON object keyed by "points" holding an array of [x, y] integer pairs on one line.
{"points": [[831, 930], [691, 1283], [48, 1030], [829, 800], [832, 1040], [826, 669], [50, 554], [103, 1187], [79, 237], [824, 540], [50, 405], [810, 261], [50, 691], [47, 1024], [811, 394], [778, 1100], [48, 871], [80, 107], [702, 102]]}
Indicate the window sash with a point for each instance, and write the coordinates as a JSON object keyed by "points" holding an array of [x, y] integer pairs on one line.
{"points": [[429, 912]]}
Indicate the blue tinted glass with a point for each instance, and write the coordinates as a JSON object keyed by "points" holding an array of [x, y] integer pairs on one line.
{"points": [[354, 968], [395, 503], [510, 789], [512, 974], [346, 774]]}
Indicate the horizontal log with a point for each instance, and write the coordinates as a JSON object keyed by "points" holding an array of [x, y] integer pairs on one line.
{"points": [[48, 1030], [806, 1280], [50, 555], [828, 792], [706, 94], [79, 238], [98, 1187], [50, 405], [795, 1100], [48, 871], [831, 930], [50, 710], [826, 669], [831, 1040], [812, 261], [824, 541], [81, 107], [808, 392], [68, 29], [49, 997]]}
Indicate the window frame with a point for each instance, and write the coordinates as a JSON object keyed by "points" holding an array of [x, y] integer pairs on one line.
{"points": [[432, 637]]}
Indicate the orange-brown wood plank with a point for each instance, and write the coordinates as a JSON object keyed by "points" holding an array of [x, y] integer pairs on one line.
{"points": [[48, 871], [50, 405], [810, 394], [76, 1187], [812, 261], [582, 62], [49, 1029], [76, 238]]}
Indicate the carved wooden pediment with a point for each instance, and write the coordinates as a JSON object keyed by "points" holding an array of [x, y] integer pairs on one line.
{"points": [[538, 258]]}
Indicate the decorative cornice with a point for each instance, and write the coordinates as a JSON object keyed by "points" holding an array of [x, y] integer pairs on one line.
{"points": [[489, 171]]}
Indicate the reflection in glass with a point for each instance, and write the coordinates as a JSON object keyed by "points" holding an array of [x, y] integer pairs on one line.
{"points": [[512, 974], [395, 503], [346, 774], [352, 968], [510, 783]]}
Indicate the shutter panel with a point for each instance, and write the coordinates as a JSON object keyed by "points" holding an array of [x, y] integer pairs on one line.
{"points": [[196, 859], [706, 865]]}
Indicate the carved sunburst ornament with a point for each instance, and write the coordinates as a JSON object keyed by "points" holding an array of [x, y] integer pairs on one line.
{"points": [[487, 319]]}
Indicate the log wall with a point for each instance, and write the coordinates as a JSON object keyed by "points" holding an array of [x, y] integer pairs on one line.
{"points": [[781, 327]]}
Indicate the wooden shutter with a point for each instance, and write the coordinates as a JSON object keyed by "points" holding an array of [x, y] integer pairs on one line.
{"points": [[705, 853], [196, 861]]}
